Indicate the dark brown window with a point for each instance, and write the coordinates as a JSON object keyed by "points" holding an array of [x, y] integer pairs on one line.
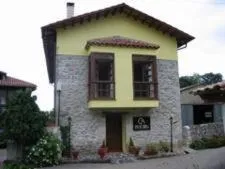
{"points": [[145, 77], [101, 76], [203, 114]]}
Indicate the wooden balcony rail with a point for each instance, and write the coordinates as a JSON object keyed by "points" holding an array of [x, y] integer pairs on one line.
{"points": [[102, 90], [146, 90]]}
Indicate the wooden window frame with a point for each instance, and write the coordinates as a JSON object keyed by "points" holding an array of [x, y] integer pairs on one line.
{"points": [[146, 59], [92, 72]]}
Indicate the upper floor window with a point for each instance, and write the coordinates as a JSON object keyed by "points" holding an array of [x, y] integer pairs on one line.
{"points": [[145, 77], [101, 76]]}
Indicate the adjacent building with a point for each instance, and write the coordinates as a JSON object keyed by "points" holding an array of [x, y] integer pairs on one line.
{"points": [[115, 74], [203, 109], [196, 110], [9, 85]]}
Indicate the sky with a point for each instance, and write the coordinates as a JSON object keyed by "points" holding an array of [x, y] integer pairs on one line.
{"points": [[21, 48]]}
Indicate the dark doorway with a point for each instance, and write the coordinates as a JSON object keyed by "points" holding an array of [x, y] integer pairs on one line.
{"points": [[203, 114], [114, 132]]}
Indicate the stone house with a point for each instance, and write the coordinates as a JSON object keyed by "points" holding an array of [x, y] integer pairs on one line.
{"points": [[9, 85], [115, 73], [195, 110], [202, 109]]}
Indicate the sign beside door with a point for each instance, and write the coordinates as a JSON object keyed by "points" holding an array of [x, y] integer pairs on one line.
{"points": [[141, 123]]}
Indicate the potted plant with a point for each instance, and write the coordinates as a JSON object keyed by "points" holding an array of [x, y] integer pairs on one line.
{"points": [[151, 149], [102, 151], [74, 153], [132, 148]]}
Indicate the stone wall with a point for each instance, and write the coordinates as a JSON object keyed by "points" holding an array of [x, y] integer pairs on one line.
{"points": [[88, 128], [206, 130], [169, 97]]}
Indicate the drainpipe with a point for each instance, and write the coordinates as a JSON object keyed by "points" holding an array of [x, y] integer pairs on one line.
{"points": [[171, 134], [183, 47], [58, 91]]}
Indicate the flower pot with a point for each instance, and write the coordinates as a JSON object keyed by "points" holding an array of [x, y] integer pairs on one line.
{"points": [[134, 150], [102, 152], [75, 155]]}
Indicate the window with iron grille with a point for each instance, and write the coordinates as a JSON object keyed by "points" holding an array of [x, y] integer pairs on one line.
{"points": [[145, 84], [101, 76]]}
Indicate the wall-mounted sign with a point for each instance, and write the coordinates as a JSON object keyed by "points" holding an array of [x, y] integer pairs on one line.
{"points": [[208, 114], [141, 123]]}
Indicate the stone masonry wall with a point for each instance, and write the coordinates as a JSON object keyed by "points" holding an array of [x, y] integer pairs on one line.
{"points": [[169, 97], [88, 128], [206, 130]]}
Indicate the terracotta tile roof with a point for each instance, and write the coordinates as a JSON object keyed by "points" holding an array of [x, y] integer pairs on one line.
{"points": [[120, 41], [49, 31], [216, 86], [13, 82]]}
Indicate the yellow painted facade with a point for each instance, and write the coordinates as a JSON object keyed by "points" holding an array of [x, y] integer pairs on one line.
{"points": [[72, 41], [123, 79]]}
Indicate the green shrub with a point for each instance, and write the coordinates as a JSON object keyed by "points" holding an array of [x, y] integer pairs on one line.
{"points": [[204, 143], [46, 152], [163, 146], [131, 142], [22, 120], [213, 143], [198, 144], [152, 149], [15, 165]]}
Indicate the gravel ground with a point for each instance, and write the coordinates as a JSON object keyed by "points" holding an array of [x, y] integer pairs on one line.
{"points": [[204, 159]]}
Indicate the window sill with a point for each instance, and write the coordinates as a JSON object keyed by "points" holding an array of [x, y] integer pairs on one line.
{"points": [[101, 99], [144, 98]]}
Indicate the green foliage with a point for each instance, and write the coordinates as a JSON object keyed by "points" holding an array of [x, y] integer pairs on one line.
{"points": [[152, 149], [198, 144], [15, 165], [50, 115], [2, 141], [132, 148], [164, 146], [65, 139], [204, 143], [103, 144], [131, 142], [210, 78], [46, 152], [22, 120], [205, 79], [189, 80]]}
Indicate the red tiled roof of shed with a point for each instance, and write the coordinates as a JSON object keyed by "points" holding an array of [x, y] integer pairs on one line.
{"points": [[220, 86], [8, 81]]}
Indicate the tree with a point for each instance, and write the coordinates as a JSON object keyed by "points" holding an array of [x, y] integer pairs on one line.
{"points": [[210, 78], [189, 80], [22, 120], [205, 79]]}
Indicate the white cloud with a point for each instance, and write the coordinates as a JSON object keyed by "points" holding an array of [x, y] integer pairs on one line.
{"points": [[22, 53]]}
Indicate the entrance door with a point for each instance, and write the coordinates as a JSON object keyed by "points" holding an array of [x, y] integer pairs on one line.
{"points": [[114, 132]]}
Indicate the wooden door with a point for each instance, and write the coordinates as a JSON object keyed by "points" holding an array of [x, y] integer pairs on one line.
{"points": [[114, 132]]}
